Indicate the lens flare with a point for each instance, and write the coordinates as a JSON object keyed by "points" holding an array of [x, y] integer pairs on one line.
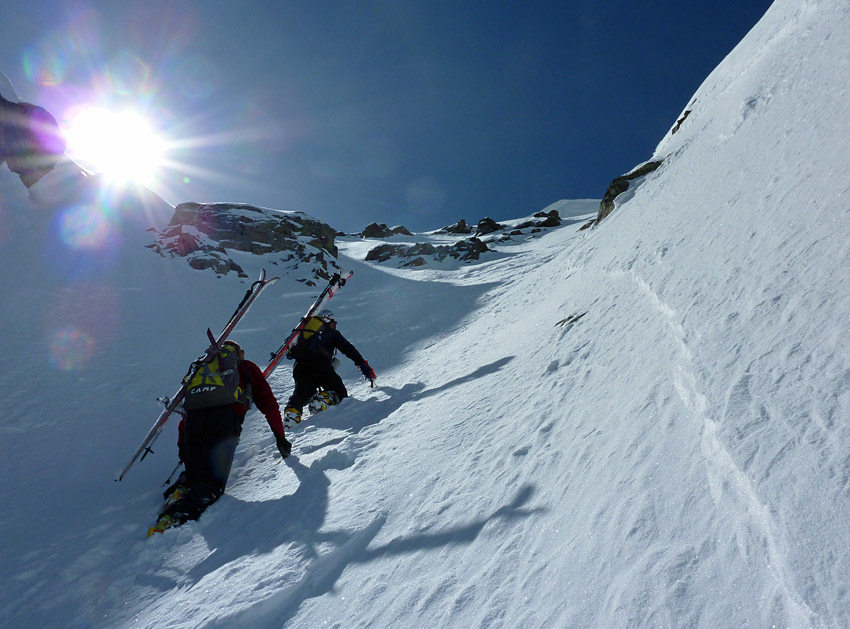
{"points": [[85, 227], [44, 66], [70, 348], [127, 74]]}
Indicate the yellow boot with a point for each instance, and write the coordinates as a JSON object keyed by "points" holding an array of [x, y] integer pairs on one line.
{"points": [[292, 414], [165, 522]]}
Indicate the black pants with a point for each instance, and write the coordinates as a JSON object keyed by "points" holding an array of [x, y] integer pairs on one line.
{"points": [[210, 437], [310, 374]]}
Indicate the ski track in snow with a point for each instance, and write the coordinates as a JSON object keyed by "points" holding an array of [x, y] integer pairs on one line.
{"points": [[731, 488]]}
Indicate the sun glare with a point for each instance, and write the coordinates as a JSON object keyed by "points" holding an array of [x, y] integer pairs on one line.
{"points": [[120, 145]]}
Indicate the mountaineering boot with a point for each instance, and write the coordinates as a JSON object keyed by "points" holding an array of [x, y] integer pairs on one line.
{"points": [[292, 414], [165, 522], [177, 489], [322, 400], [176, 493]]}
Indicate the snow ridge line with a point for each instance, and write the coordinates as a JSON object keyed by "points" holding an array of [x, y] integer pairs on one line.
{"points": [[731, 489]]}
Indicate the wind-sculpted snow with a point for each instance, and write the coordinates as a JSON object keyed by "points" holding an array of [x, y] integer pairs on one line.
{"points": [[641, 424]]}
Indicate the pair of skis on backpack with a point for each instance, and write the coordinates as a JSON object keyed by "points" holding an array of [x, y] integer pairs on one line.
{"points": [[320, 402], [174, 403]]}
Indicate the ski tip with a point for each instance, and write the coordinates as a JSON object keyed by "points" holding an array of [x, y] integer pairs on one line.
{"points": [[263, 279]]}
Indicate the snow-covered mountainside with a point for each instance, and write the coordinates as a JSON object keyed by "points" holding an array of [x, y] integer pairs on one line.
{"points": [[640, 424]]}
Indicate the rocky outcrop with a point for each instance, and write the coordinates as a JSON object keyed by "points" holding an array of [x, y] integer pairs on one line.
{"points": [[375, 230], [458, 228], [206, 233], [464, 250], [30, 141], [487, 226], [551, 219], [469, 249], [621, 184], [683, 117]]}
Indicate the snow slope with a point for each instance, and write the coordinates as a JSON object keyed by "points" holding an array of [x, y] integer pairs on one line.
{"points": [[643, 424]]}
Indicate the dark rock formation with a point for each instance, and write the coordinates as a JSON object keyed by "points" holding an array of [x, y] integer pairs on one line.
{"points": [[30, 141], [551, 218], [375, 230], [487, 226], [464, 250], [469, 249], [203, 233], [620, 185], [679, 122], [458, 228]]}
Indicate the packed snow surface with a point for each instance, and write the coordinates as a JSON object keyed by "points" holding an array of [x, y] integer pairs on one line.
{"points": [[641, 424]]}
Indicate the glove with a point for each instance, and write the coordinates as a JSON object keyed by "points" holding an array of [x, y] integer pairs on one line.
{"points": [[283, 446], [367, 371]]}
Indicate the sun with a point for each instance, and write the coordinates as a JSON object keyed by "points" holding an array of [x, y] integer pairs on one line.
{"points": [[121, 145]]}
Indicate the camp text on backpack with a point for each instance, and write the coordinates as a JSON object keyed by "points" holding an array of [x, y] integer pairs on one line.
{"points": [[216, 382]]}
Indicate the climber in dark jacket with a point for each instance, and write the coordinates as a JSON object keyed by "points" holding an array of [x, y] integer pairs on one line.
{"points": [[206, 443], [314, 364]]}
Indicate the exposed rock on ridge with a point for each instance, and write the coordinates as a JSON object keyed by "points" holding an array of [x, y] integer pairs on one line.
{"points": [[205, 234], [464, 250], [458, 228], [375, 230], [621, 184]]}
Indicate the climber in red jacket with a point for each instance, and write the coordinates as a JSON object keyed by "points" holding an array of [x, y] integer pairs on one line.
{"points": [[207, 439]]}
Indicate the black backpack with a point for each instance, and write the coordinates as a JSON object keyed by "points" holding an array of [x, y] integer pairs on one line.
{"points": [[310, 338]]}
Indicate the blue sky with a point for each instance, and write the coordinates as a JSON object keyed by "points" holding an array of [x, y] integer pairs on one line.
{"points": [[413, 113]]}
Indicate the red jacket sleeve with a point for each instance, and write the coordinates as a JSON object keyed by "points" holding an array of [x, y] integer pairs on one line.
{"points": [[263, 397]]}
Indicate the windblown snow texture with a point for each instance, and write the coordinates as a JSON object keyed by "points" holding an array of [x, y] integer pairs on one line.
{"points": [[641, 424]]}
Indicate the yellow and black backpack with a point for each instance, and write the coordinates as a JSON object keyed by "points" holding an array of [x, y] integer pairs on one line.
{"points": [[216, 382], [308, 339]]}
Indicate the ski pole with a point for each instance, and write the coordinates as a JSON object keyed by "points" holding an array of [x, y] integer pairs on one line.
{"points": [[173, 472]]}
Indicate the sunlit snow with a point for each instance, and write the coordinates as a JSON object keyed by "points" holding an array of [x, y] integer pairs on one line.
{"points": [[642, 424]]}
